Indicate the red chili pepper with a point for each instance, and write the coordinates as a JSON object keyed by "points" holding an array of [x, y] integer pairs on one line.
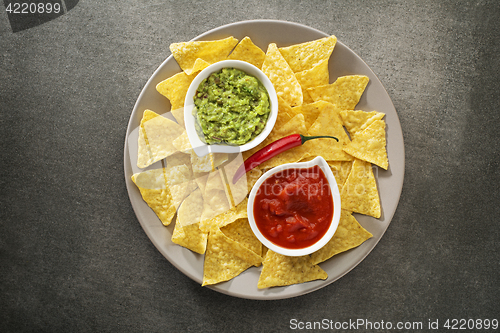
{"points": [[273, 149]]}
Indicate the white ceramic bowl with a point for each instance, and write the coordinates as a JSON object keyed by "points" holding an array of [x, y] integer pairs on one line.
{"points": [[200, 147], [319, 161]]}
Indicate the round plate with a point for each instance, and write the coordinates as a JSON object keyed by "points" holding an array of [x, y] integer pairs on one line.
{"points": [[390, 183]]}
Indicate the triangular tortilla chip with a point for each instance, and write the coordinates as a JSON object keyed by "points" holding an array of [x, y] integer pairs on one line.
{"points": [[252, 177], [180, 181], [175, 88], [187, 53], [187, 231], [344, 93], [328, 123], [311, 111], [190, 237], [356, 121], [217, 159], [200, 164], [247, 51], [215, 203], [178, 115], [281, 75], [199, 65], [349, 234], [201, 180], [280, 270], [314, 77], [226, 259], [155, 192], [369, 145], [360, 193], [284, 115], [306, 55], [182, 143], [238, 191], [190, 209], [155, 138], [179, 159], [215, 198], [225, 218], [340, 170], [241, 232], [206, 163]]}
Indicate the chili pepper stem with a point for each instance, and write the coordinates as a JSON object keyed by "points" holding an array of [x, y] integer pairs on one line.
{"points": [[304, 138]]}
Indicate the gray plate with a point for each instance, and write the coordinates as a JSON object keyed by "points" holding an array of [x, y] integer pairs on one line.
{"points": [[342, 62]]}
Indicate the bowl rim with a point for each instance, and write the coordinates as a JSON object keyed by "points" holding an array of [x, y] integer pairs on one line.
{"points": [[321, 162], [201, 148]]}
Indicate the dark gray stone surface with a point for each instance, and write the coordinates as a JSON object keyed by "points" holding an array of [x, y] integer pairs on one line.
{"points": [[73, 256]]}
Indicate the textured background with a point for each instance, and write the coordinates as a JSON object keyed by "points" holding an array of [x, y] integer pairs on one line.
{"points": [[73, 256]]}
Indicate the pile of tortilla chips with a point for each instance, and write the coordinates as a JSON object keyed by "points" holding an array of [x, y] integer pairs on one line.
{"points": [[210, 212]]}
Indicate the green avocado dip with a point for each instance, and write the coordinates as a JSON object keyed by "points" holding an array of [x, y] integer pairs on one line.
{"points": [[232, 107]]}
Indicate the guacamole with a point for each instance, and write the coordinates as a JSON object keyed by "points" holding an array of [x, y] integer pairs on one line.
{"points": [[232, 107]]}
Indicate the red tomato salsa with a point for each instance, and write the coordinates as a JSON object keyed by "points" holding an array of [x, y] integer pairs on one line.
{"points": [[294, 207]]}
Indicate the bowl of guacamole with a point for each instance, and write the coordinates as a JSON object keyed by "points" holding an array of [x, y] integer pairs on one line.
{"points": [[230, 107]]}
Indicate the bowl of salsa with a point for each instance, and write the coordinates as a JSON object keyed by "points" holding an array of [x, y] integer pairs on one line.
{"points": [[230, 107], [294, 209]]}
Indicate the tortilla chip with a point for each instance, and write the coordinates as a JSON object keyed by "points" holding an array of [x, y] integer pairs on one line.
{"points": [[187, 53], [340, 170], [284, 114], [369, 145], [201, 180], [252, 177], [356, 121], [349, 234], [247, 51], [181, 143], [314, 77], [226, 259], [215, 200], [281, 75], [144, 157], [227, 217], [280, 270], [328, 123], [181, 191], [360, 193], [187, 231], [312, 111], [190, 237], [177, 159], [199, 65], [225, 181], [238, 191], [217, 159], [206, 163], [180, 181], [175, 88], [178, 114], [191, 209], [241, 232], [344, 93], [155, 138], [214, 181], [200, 164], [178, 174], [155, 192], [306, 55]]}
